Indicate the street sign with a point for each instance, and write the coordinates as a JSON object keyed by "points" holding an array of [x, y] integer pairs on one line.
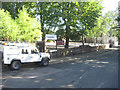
{"points": [[51, 37]]}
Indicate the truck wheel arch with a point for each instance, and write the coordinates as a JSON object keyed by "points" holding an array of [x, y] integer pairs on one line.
{"points": [[15, 60], [45, 61], [45, 58]]}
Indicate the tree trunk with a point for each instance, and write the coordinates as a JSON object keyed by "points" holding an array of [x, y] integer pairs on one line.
{"points": [[83, 40], [67, 36], [67, 29], [67, 43], [42, 22], [95, 41], [42, 25]]}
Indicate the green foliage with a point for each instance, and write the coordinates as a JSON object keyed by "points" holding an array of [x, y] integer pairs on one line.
{"points": [[100, 28], [8, 6], [8, 26], [75, 35], [90, 11], [43, 10], [104, 25], [110, 17], [13, 7], [23, 28], [74, 18], [49, 40], [29, 27]]}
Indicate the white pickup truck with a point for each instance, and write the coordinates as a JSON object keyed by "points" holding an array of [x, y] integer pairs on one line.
{"points": [[14, 56]]}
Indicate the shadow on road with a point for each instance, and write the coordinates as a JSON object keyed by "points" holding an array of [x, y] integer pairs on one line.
{"points": [[80, 71]]}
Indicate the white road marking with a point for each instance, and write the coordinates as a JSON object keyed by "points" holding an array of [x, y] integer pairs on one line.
{"points": [[83, 75], [100, 85]]}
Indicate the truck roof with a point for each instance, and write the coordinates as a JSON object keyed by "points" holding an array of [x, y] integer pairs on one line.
{"points": [[15, 44], [18, 44]]}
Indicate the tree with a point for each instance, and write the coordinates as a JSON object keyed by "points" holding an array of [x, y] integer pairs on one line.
{"points": [[98, 29], [23, 28], [64, 17], [8, 26], [103, 26], [29, 27], [41, 9], [89, 12], [111, 22], [35, 9], [12, 7], [73, 18]]}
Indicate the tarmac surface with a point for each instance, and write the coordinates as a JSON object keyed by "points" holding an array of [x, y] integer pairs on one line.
{"points": [[90, 70]]}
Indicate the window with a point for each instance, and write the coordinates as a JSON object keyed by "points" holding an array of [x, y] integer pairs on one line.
{"points": [[34, 51], [24, 51]]}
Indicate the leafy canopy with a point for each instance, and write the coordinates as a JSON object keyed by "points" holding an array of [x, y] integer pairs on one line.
{"points": [[23, 28]]}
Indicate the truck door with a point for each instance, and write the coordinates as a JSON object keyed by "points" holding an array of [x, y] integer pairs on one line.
{"points": [[34, 55], [24, 55]]}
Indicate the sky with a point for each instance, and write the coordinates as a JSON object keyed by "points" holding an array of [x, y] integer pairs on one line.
{"points": [[109, 5]]}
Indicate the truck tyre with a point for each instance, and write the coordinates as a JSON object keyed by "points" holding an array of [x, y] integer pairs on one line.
{"points": [[1, 55], [15, 65], [45, 62]]}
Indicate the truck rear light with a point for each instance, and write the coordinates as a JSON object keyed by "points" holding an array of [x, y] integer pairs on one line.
{"points": [[3, 43]]}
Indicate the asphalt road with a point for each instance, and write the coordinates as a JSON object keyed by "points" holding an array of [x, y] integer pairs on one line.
{"points": [[97, 71]]}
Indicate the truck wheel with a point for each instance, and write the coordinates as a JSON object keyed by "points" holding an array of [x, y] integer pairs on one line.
{"points": [[15, 65], [45, 62]]}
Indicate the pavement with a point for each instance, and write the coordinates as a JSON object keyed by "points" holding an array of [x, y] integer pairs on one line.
{"points": [[90, 70], [71, 45]]}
